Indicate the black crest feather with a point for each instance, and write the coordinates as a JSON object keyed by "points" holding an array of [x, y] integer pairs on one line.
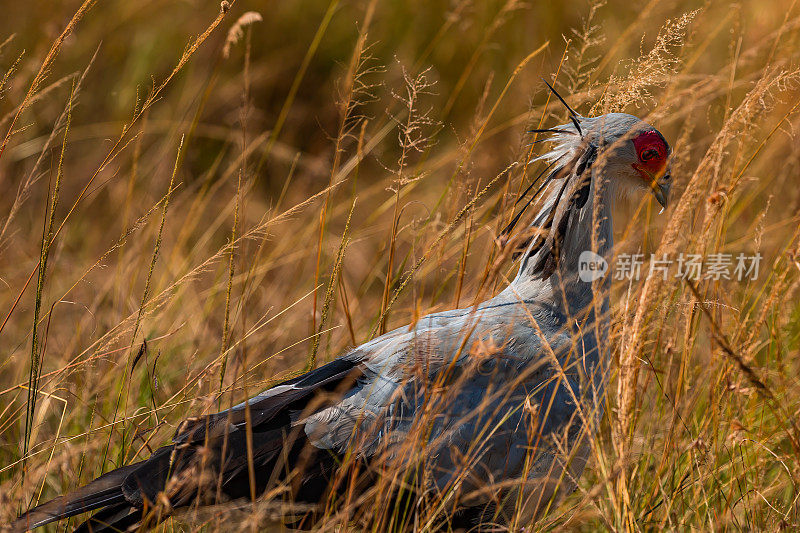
{"points": [[551, 242], [573, 116]]}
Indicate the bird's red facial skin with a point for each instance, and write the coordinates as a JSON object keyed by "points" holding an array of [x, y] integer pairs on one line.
{"points": [[652, 153]]}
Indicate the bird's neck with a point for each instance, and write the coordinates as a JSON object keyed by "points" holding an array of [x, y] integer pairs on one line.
{"points": [[589, 232]]}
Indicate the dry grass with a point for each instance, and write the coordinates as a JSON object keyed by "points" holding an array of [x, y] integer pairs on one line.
{"points": [[254, 197]]}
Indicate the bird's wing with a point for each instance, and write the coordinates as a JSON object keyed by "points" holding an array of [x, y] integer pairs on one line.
{"points": [[399, 370], [265, 407], [365, 394], [473, 373], [202, 445]]}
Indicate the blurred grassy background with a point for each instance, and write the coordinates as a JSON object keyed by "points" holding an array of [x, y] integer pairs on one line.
{"points": [[704, 448]]}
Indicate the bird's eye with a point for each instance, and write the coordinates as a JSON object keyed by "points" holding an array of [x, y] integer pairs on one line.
{"points": [[650, 153]]}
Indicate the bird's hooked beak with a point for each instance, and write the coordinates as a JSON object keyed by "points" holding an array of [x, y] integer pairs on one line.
{"points": [[659, 181], [660, 188]]}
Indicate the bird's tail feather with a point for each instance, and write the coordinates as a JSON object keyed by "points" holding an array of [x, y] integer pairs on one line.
{"points": [[104, 491], [116, 518]]}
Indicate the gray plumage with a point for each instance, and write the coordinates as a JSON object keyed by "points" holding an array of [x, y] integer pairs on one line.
{"points": [[508, 389]]}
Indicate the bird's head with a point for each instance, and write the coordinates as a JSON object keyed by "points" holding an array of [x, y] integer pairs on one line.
{"points": [[623, 152], [637, 155], [632, 154]]}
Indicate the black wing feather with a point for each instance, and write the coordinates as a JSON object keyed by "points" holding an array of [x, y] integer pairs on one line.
{"points": [[120, 495]]}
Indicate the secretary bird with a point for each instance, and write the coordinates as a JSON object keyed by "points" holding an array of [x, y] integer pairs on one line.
{"points": [[490, 408]]}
